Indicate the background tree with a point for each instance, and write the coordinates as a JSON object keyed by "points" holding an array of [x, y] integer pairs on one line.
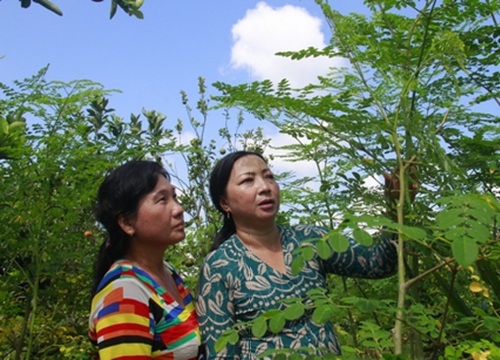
{"points": [[404, 104], [57, 142], [49, 176]]}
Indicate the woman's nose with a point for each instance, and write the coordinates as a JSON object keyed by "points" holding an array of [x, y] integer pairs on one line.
{"points": [[263, 184], [178, 209]]}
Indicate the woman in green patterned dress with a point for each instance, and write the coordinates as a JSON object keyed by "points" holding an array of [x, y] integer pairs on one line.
{"points": [[248, 270]]}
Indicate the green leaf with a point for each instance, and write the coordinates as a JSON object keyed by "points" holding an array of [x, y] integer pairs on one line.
{"points": [[491, 323], [330, 356], [276, 323], [322, 314], [414, 232], [113, 8], [297, 265], [338, 242], [465, 250], [362, 237], [259, 327], [307, 252], [482, 215], [294, 311], [270, 313], [324, 250], [456, 233], [371, 221], [364, 305], [449, 218], [233, 337], [4, 126], [479, 232], [221, 343], [50, 6], [17, 126]]}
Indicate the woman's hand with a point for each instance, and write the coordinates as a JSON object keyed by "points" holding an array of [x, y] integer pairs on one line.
{"points": [[392, 186]]}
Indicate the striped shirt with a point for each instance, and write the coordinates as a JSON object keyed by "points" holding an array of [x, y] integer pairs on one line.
{"points": [[133, 317]]}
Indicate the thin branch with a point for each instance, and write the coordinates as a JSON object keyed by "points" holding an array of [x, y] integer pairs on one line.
{"points": [[411, 282], [443, 121]]}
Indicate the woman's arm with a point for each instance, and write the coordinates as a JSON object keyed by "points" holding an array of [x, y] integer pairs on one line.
{"points": [[369, 262], [121, 321]]}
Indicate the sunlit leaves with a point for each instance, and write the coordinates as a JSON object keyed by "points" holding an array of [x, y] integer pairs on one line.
{"points": [[362, 237], [276, 323], [307, 252], [464, 249], [259, 327], [323, 313], [230, 336], [297, 265], [338, 241], [412, 232], [324, 250], [294, 311], [466, 222]]}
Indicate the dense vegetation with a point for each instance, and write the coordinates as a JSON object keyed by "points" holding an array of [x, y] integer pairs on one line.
{"points": [[407, 103]]}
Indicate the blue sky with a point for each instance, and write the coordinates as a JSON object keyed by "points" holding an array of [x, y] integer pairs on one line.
{"points": [[153, 59]]}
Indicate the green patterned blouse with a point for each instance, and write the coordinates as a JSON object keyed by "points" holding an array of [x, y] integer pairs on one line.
{"points": [[235, 285]]}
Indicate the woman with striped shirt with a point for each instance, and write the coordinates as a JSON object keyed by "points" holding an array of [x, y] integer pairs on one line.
{"points": [[140, 306]]}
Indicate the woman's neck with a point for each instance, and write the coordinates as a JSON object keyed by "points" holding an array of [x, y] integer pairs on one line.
{"points": [[151, 261], [154, 266], [268, 238], [266, 245]]}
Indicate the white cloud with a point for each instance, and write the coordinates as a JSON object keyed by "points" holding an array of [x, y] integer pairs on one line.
{"points": [[300, 168], [186, 137], [303, 168], [264, 31], [372, 182]]}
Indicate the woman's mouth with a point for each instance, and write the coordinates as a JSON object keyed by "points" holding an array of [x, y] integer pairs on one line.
{"points": [[266, 204]]}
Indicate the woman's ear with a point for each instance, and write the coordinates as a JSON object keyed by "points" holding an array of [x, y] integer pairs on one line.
{"points": [[126, 225], [223, 204]]}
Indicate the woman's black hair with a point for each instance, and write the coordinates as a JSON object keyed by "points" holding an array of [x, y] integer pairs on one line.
{"points": [[119, 195], [218, 183]]}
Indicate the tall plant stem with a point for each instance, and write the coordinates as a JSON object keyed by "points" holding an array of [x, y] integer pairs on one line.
{"points": [[398, 327]]}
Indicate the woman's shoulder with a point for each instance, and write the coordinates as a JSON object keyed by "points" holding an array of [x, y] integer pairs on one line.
{"points": [[124, 274], [303, 231], [228, 249], [226, 256]]}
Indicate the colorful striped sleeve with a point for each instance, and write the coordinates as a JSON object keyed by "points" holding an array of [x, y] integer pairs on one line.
{"points": [[122, 326]]}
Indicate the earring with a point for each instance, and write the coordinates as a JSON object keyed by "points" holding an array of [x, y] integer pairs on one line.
{"points": [[228, 215]]}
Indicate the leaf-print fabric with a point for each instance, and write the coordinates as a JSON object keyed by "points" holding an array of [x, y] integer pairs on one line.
{"points": [[235, 285]]}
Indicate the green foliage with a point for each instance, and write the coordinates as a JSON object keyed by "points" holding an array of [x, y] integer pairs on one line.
{"points": [[467, 221], [404, 105], [49, 176], [49, 173], [131, 7]]}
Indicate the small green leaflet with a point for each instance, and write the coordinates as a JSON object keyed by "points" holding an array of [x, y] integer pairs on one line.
{"points": [[362, 237]]}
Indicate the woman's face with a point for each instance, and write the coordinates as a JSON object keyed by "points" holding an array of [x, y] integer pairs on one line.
{"points": [[252, 193], [160, 217]]}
